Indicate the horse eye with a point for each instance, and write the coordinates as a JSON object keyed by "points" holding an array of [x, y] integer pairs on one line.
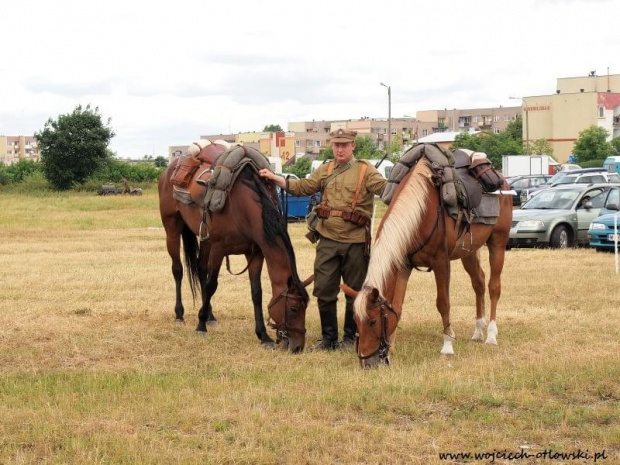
{"points": [[372, 323], [294, 309]]}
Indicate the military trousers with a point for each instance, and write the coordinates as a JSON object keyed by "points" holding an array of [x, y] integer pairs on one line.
{"points": [[337, 262]]}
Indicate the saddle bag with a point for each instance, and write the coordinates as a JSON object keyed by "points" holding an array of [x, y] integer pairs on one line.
{"points": [[184, 171], [487, 176]]}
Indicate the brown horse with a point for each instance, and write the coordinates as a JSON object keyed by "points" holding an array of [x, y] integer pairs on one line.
{"points": [[416, 231], [250, 224]]}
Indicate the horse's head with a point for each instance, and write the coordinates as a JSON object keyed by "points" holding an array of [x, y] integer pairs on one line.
{"points": [[376, 322], [288, 314]]}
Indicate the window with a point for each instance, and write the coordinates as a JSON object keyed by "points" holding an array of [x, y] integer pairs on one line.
{"points": [[496, 130], [297, 143], [506, 117], [317, 143], [394, 132], [476, 119], [496, 119], [601, 112], [614, 197], [425, 132]]}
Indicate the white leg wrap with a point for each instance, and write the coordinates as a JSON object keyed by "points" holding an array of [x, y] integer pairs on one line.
{"points": [[492, 333], [447, 348], [479, 329]]}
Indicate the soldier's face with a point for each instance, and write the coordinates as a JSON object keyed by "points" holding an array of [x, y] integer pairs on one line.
{"points": [[343, 151]]}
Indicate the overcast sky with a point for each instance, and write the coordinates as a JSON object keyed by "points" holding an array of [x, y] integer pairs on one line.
{"points": [[167, 72]]}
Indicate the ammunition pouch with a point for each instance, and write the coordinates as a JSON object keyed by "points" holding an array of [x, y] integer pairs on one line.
{"points": [[355, 216], [351, 216], [323, 211]]}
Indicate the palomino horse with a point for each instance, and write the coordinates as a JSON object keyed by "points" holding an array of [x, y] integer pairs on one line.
{"points": [[416, 231], [249, 224]]}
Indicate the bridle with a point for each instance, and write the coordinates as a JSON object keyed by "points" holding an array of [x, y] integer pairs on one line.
{"points": [[384, 342], [283, 328]]}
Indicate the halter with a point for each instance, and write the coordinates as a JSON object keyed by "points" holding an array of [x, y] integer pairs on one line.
{"points": [[384, 342], [282, 329]]}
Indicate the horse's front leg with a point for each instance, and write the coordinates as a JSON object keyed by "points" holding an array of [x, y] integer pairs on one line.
{"points": [[471, 263], [441, 269], [255, 267], [210, 286]]}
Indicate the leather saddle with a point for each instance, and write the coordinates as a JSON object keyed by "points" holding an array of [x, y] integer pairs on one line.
{"points": [[195, 191]]}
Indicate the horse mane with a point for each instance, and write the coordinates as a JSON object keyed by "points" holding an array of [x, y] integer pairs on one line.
{"points": [[397, 234], [274, 224]]}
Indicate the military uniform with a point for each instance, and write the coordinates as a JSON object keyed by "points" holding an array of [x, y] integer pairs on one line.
{"points": [[341, 246]]}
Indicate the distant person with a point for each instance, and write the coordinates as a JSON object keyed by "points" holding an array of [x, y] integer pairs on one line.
{"points": [[348, 187], [585, 200]]}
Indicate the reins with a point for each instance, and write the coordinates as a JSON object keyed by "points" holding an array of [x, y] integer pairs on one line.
{"points": [[384, 341], [283, 328]]}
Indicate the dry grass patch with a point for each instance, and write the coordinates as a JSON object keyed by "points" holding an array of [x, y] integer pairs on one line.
{"points": [[93, 369]]}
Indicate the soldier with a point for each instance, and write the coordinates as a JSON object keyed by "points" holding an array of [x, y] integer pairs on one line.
{"points": [[348, 187]]}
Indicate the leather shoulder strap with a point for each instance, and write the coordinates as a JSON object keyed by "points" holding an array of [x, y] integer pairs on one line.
{"points": [[359, 184]]}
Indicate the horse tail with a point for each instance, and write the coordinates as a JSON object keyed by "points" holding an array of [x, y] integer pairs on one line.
{"points": [[190, 247]]}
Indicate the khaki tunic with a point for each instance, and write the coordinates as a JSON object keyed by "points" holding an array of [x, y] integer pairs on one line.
{"points": [[340, 193]]}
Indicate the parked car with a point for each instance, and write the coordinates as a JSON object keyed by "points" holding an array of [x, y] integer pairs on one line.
{"points": [[602, 234], [518, 183], [560, 216], [582, 176]]}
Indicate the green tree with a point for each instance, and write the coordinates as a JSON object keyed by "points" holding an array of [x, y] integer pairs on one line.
{"points": [[301, 168], [514, 129], [74, 146], [615, 143], [365, 148], [22, 169], [326, 154], [494, 145], [160, 162], [272, 128], [592, 144], [541, 147]]}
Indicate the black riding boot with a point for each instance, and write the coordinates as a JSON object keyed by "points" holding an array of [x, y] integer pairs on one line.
{"points": [[350, 328], [329, 327]]}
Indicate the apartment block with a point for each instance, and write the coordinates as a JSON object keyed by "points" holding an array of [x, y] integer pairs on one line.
{"points": [[578, 103], [15, 148]]}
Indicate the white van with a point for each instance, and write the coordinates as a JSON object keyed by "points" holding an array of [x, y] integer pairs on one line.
{"points": [[385, 168]]}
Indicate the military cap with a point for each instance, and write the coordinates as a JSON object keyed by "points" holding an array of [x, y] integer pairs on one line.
{"points": [[343, 135]]}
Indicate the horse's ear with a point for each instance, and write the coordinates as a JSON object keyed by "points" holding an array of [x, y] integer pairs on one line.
{"points": [[374, 294], [348, 291], [308, 280]]}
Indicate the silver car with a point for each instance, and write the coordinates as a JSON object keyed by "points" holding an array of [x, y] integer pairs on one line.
{"points": [[559, 216]]}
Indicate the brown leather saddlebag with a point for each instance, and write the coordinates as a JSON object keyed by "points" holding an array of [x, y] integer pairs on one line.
{"points": [[184, 171], [487, 176]]}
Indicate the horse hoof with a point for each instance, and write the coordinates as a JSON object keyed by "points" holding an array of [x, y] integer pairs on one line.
{"points": [[179, 322], [211, 322], [268, 345], [491, 342], [201, 333]]}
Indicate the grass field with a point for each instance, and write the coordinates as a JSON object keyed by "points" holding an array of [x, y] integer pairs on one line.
{"points": [[93, 369]]}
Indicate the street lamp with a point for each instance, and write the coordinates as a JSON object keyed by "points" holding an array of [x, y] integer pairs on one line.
{"points": [[389, 116], [527, 124]]}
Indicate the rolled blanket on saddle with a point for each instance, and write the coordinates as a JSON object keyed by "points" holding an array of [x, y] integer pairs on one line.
{"points": [[463, 176], [225, 172]]}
